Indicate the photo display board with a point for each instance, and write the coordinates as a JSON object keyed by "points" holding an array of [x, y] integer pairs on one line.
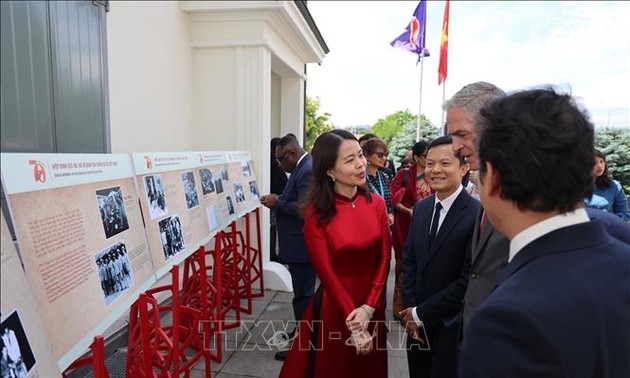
{"points": [[243, 173], [185, 196], [217, 196], [25, 348], [82, 240]]}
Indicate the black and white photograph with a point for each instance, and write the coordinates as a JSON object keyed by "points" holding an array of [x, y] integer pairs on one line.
{"points": [[114, 271], [239, 193], [212, 217], [192, 199], [113, 214], [224, 174], [154, 189], [17, 356], [247, 171], [172, 236], [207, 186], [218, 184], [253, 189], [230, 205]]}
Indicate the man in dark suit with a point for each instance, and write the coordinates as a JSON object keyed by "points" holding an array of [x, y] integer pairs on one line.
{"points": [[613, 224], [489, 248], [561, 305], [278, 181], [291, 245], [436, 263]]}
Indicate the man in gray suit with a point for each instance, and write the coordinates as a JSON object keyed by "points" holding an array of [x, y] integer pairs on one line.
{"points": [[489, 248]]}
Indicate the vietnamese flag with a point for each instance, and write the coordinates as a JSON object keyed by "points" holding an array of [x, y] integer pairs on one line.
{"points": [[443, 67]]}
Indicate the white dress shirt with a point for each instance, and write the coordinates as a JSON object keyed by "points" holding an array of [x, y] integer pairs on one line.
{"points": [[540, 229]]}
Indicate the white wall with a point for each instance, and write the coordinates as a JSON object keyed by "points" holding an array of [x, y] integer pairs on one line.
{"points": [[150, 77], [276, 92]]}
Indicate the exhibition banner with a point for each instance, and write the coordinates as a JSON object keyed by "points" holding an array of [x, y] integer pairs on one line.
{"points": [[82, 240], [218, 199], [185, 197], [25, 348], [243, 174]]}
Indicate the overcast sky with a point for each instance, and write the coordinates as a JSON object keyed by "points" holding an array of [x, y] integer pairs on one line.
{"points": [[581, 46]]}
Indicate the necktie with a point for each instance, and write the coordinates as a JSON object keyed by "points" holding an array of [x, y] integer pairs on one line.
{"points": [[435, 222]]}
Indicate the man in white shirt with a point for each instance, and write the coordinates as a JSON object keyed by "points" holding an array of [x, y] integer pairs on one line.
{"points": [[561, 305], [436, 262]]}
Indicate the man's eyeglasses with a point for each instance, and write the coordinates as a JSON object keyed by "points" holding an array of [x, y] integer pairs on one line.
{"points": [[382, 154], [279, 159]]}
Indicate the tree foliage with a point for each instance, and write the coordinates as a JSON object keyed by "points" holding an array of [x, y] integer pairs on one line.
{"points": [[316, 124], [406, 138], [615, 144], [387, 128]]}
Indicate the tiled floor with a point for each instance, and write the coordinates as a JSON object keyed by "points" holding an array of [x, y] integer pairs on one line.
{"points": [[246, 353]]}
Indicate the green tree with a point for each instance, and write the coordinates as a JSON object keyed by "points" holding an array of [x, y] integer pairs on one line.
{"points": [[316, 124], [406, 138], [387, 128], [615, 144]]}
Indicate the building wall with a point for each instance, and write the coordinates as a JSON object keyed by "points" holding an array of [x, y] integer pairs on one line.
{"points": [[150, 77], [208, 75], [276, 91]]}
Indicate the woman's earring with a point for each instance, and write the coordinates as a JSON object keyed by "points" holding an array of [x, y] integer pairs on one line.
{"points": [[333, 179]]}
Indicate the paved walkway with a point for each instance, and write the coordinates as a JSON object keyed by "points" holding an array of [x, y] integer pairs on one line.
{"points": [[246, 353]]}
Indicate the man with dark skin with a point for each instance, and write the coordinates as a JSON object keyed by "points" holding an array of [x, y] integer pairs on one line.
{"points": [[292, 251]]}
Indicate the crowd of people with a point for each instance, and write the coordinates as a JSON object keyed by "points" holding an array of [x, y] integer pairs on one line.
{"points": [[510, 238]]}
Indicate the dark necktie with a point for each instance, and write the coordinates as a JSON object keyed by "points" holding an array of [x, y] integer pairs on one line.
{"points": [[435, 222]]}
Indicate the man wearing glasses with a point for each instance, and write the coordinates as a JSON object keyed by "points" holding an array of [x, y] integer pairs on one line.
{"points": [[292, 251]]}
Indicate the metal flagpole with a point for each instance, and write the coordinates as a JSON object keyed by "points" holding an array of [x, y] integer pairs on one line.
{"points": [[443, 111], [419, 125]]}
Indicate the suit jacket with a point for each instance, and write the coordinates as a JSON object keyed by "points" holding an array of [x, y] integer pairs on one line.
{"points": [[291, 244], [490, 252], [561, 309], [435, 278], [615, 227]]}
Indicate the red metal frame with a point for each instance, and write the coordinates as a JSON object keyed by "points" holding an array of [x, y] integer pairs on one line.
{"points": [[256, 269], [97, 360], [230, 260], [157, 350], [206, 295]]}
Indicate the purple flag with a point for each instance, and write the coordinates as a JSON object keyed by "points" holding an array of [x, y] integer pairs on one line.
{"points": [[412, 39]]}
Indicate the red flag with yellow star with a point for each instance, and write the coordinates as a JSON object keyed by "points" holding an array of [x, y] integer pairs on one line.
{"points": [[443, 67]]}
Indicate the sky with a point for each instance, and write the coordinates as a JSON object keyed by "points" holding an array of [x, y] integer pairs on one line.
{"points": [[581, 47]]}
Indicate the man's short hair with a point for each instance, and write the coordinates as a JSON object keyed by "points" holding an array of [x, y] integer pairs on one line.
{"points": [[541, 144], [289, 139], [472, 97], [442, 140]]}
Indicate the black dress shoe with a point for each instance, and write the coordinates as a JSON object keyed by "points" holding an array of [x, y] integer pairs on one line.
{"points": [[282, 355]]}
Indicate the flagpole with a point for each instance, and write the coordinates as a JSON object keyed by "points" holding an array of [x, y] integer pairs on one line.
{"points": [[419, 125], [443, 111]]}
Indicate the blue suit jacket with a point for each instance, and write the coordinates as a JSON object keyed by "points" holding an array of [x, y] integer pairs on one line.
{"points": [[615, 227], [434, 279], [291, 244], [561, 308]]}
